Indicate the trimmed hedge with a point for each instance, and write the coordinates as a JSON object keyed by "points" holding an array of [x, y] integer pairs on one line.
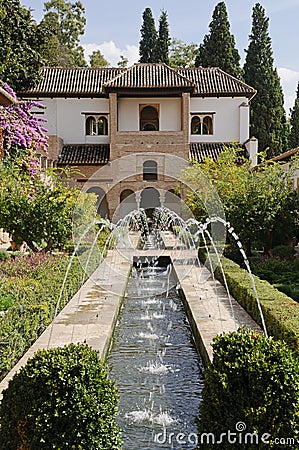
{"points": [[280, 311], [252, 386], [61, 399]]}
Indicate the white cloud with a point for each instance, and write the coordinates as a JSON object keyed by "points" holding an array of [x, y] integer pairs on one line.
{"points": [[289, 80], [288, 75], [112, 53]]}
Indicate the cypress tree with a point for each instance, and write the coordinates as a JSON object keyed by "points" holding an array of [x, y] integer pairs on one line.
{"points": [[294, 122], [218, 47], [148, 41], [268, 119], [163, 42]]}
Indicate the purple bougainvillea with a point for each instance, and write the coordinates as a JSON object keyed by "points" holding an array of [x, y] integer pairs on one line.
{"points": [[21, 130]]}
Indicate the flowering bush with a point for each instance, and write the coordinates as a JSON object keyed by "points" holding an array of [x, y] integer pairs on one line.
{"points": [[22, 132]]}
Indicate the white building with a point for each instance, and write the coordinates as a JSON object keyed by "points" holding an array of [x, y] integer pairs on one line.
{"points": [[97, 116]]}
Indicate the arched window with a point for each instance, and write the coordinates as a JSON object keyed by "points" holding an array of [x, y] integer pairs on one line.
{"points": [[150, 172], [96, 125], [207, 125], [202, 124], [91, 126], [101, 203], [125, 194], [149, 118], [150, 199], [195, 125], [102, 126]]}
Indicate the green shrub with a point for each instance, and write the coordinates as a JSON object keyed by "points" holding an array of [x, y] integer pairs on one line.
{"points": [[4, 255], [30, 287], [61, 399], [253, 380], [283, 252], [281, 312]]}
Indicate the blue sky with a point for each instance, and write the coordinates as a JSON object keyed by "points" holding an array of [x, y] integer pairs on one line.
{"points": [[114, 28]]}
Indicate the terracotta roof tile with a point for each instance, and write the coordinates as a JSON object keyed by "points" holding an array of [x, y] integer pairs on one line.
{"points": [[214, 81], [84, 154], [199, 151], [60, 82], [146, 76]]}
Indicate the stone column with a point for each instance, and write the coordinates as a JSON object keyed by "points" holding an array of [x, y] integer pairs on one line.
{"points": [[138, 198], [113, 123], [185, 120]]}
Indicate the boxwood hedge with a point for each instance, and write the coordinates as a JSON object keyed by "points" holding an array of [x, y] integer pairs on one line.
{"points": [[61, 399], [280, 311]]}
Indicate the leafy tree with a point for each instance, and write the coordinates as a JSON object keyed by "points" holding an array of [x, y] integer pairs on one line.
{"points": [[123, 62], [218, 47], [294, 122], [97, 59], [63, 23], [20, 42], [148, 41], [256, 202], [163, 42], [268, 120], [38, 208], [181, 54]]}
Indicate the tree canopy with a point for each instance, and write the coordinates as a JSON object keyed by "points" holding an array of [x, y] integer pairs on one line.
{"points": [[268, 120], [97, 59], [20, 42], [63, 24], [181, 54], [163, 42], [257, 203], [218, 47], [294, 123], [148, 41]]}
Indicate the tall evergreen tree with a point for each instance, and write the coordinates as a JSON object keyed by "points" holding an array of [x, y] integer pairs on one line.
{"points": [[20, 41], [148, 41], [268, 118], [163, 42], [294, 122], [218, 47]]}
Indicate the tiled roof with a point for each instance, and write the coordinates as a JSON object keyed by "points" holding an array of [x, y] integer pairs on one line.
{"points": [[5, 98], [199, 151], [60, 82], [213, 81], [57, 81], [84, 154], [150, 76]]}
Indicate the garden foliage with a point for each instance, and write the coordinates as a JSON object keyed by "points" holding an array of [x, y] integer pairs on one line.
{"points": [[29, 289], [61, 399], [253, 380]]}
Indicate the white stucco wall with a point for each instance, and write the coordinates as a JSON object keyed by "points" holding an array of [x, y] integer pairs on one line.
{"points": [[229, 119], [169, 108], [65, 118]]}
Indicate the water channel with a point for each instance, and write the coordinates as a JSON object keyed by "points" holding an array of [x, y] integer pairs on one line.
{"points": [[154, 361]]}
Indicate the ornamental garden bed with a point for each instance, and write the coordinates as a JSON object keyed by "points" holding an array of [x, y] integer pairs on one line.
{"points": [[29, 289]]}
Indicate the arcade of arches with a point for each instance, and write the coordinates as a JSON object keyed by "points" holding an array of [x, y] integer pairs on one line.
{"points": [[147, 198]]}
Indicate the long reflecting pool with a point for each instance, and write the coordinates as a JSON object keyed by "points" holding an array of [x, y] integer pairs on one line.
{"points": [[157, 369]]}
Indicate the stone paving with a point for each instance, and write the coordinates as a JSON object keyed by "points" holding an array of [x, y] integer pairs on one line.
{"points": [[91, 314]]}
